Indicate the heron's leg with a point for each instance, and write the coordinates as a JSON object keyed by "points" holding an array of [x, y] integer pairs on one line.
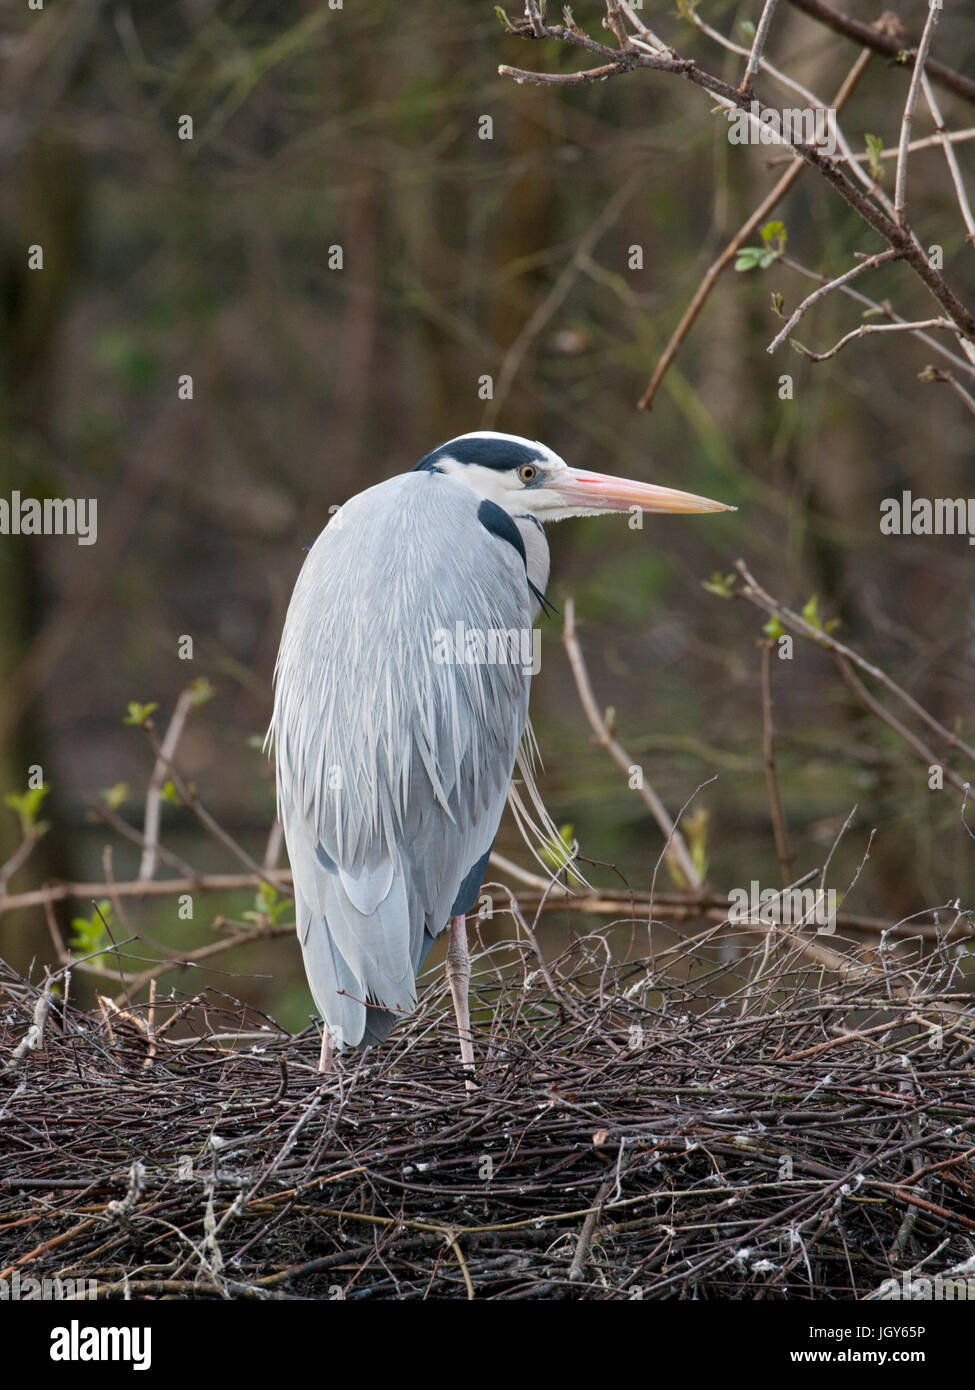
{"points": [[327, 1055], [458, 977]]}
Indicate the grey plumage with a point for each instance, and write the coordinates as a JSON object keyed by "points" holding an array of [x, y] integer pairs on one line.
{"points": [[394, 768]]}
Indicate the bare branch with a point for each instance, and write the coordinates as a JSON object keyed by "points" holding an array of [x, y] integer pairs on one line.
{"points": [[944, 138], [758, 47], [886, 312], [678, 849], [718, 266], [907, 121], [889, 39], [754, 593], [938, 374], [869, 264], [154, 796], [866, 328]]}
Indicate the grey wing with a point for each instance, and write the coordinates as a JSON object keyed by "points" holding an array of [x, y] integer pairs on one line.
{"points": [[395, 750]]}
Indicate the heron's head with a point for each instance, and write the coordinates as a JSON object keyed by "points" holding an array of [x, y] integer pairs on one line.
{"points": [[523, 476]]}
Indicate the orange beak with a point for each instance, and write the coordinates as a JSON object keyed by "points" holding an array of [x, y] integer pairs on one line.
{"points": [[603, 493]]}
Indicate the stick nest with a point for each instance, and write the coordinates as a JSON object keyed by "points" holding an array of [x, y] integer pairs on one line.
{"points": [[721, 1119]]}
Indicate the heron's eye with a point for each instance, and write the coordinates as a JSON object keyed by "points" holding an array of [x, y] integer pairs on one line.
{"points": [[527, 472]]}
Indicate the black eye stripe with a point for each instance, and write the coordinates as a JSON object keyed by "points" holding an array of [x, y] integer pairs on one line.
{"points": [[500, 454]]}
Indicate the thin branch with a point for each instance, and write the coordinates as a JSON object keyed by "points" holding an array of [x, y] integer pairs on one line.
{"points": [[715, 270], [907, 121], [758, 47], [142, 888], [926, 754], [889, 40], [190, 799], [866, 328], [515, 355], [954, 137], [678, 848], [869, 264], [755, 594], [17, 860], [896, 235], [937, 374], [785, 856], [944, 138], [886, 311], [154, 796]]}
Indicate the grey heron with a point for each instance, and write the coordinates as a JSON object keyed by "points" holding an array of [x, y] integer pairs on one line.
{"points": [[397, 724]]}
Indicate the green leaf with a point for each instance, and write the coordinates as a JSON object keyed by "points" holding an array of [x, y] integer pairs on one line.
{"points": [[201, 691], [721, 585], [810, 612], [170, 795], [138, 715], [773, 238], [269, 906], [89, 932], [874, 149], [777, 304], [773, 629], [116, 796], [27, 804]]}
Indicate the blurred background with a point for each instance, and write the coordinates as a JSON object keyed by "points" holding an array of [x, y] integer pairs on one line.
{"points": [[213, 258]]}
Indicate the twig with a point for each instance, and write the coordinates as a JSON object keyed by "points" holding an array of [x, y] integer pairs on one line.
{"points": [[945, 139], [866, 328], [784, 853], [907, 121], [588, 1230], [897, 236], [758, 47], [167, 751], [931, 373], [886, 312], [16, 861], [926, 754], [754, 593], [869, 264], [678, 846], [717, 267], [33, 1039], [890, 41], [536, 322]]}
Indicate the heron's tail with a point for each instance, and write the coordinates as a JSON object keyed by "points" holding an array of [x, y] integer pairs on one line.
{"points": [[361, 955]]}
